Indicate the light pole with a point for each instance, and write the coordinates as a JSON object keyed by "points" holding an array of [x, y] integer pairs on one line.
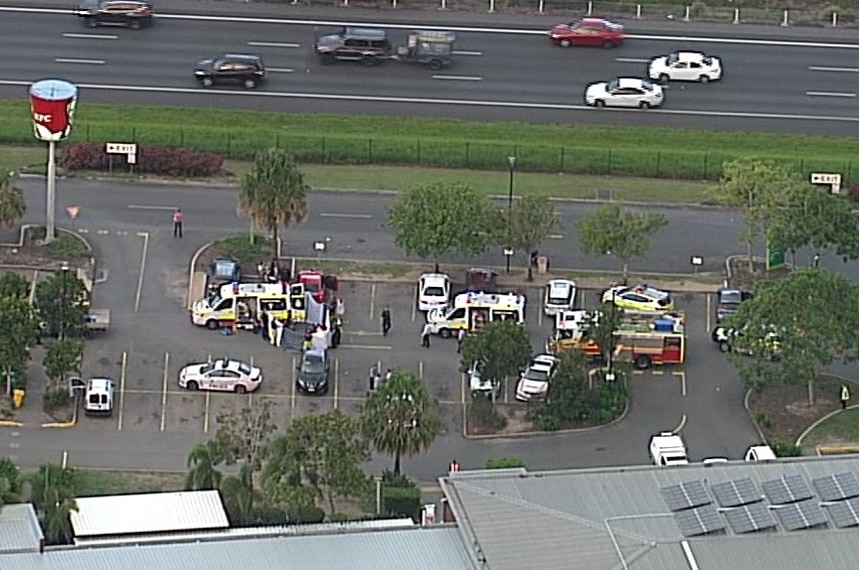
{"points": [[508, 251], [63, 301]]}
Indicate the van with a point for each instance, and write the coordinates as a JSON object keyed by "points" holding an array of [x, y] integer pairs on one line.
{"points": [[667, 449], [760, 453], [99, 397]]}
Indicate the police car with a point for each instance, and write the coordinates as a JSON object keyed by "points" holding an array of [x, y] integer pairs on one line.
{"points": [[433, 291], [639, 298]]}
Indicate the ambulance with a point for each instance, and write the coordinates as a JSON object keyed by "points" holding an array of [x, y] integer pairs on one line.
{"points": [[242, 305], [471, 310]]}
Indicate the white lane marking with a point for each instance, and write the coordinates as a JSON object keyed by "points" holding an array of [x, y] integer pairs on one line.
{"points": [[842, 69], [351, 216], [466, 52], [280, 70], [457, 77], [830, 94], [631, 60], [556, 236], [91, 36], [84, 61], [274, 44], [453, 102], [143, 207]]}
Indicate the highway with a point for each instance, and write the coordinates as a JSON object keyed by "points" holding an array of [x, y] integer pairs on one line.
{"points": [[771, 84]]}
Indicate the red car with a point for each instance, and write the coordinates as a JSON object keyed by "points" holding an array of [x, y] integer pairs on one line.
{"points": [[587, 32]]}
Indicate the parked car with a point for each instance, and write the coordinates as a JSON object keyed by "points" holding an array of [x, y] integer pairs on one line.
{"points": [[134, 14], [481, 280], [729, 301], [243, 69], [559, 295], [313, 372], [366, 45], [480, 384], [223, 375], [534, 381], [433, 291], [624, 92], [639, 298], [99, 397], [595, 32], [685, 66]]}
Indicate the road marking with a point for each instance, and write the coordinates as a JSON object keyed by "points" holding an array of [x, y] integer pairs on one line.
{"points": [[164, 391], [837, 69], [122, 373], [372, 302], [631, 60], [415, 302], [336, 381], [206, 412], [458, 77], [556, 236], [363, 333], [280, 70], [274, 44], [91, 36], [680, 427], [682, 376], [292, 396], [81, 61], [466, 52], [830, 94], [144, 207], [366, 346], [349, 216], [145, 236], [709, 303], [421, 369]]}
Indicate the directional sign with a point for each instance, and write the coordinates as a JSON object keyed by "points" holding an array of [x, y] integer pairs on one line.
{"points": [[775, 258], [121, 148], [828, 179], [73, 211]]}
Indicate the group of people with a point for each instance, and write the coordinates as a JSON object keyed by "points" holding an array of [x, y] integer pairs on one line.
{"points": [[426, 331]]}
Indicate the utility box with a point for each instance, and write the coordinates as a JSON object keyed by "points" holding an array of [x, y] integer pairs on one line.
{"points": [[542, 264]]}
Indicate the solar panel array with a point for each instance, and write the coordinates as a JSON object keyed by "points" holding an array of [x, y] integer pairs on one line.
{"points": [[787, 501]]}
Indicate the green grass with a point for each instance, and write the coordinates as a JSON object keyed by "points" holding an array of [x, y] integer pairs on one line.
{"points": [[840, 428], [241, 248], [69, 247], [342, 267]]}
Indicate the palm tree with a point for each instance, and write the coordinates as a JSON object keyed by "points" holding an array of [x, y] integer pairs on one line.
{"points": [[273, 192], [400, 417], [202, 460], [237, 493], [53, 495], [12, 205]]}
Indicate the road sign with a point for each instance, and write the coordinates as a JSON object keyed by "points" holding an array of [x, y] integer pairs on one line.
{"points": [[121, 148], [775, 258], [827, 179], [73, 211]]}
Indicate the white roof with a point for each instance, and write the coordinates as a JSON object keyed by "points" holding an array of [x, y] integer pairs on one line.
{"points": [[435, 278], [563, 285], [148, 513], [689, 55], [631, 81], [496, 300], [99, 384], [19, 529]]}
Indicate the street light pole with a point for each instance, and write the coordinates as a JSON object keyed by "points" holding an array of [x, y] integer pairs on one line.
{"points": [[63, 301], [511, 162]]}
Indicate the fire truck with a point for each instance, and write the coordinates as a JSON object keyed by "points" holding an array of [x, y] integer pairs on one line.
{"points": [[645, 339], [322, 287]]}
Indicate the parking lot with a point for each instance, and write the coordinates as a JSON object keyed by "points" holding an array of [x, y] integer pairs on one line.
{"points": [[146, 369]]}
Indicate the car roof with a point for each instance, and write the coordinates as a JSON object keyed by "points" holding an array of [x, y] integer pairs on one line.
{"points": [[630, 81], [435, 277], [646, 290], [242, 57], [99, 383], [690, 55], [366, 33], [318, 352], [560, 284], [593, 21]]}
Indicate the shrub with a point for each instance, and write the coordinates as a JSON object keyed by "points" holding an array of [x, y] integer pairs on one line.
{"points": [[178, 162], [764, 420], [391, 479], [483, 413], [55, 398], [785, 448], [309, 515], [504, 463], [853, 192], [405, 501], [266, 515]]}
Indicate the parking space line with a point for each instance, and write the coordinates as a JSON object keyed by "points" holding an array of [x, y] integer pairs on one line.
{"points": [[372, 302], [506, 390], [206, 413], [421, 369], [364, 333], [707, 314], [35, 281], [682, 376], [540, 315], [366, 346], [415, 303], [293, 386], [462, 381], [656, 372], [122, 372], [336, 381], [164, 391], [145, 236]]}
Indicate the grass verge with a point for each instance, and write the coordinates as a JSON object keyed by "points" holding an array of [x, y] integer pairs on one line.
{"points": [[842, 428]]}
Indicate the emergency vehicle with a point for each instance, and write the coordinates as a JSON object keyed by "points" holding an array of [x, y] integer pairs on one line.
{"points": [[323, 287], [472, 310], [242, 305], [644, 339]]}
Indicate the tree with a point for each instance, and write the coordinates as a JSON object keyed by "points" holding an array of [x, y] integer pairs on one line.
{"points": [[18, 334], [54, 498], [817, 219], [10, 481], [436, 219], [273, 193], [503, 346], [795, 327], [609, 230], [14, 285], [532, 221], [244, 435], [756, 188], [202, 462], [61, 359], [400, 417], [238, 494], [62, 302], [12, 204], [324, 452]]}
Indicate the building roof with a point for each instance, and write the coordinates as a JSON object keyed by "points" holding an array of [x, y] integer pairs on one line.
{"points": [[431, 548], [787, 514], [19, 529], [148, 513]]}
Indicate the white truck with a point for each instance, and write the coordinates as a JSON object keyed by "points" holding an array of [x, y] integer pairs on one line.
{"points": [[667, 449]]}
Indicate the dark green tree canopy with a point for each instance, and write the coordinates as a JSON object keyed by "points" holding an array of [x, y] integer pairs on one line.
{"points": [[532, 221], [14, 285], [62, 302], [244, 435], [17, 335], [12, 204], [436, 219], [503, 346]]}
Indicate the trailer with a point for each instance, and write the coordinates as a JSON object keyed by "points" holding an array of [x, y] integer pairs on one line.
{"points": [[96, 321], [431, 48]]}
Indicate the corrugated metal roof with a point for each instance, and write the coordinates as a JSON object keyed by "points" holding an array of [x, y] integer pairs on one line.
{"points": [[19, 529], [147, 513], [594, 508], [433, 548]]}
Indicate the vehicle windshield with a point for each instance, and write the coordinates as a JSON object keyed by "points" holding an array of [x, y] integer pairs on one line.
{"points": [[537, 375], [434, 292], [672, 58], [612, 85], [244, 368], [312, 364], [730, 298], [207, 368], [559, 296], [213, 300], [311, 286], [224, 268]]}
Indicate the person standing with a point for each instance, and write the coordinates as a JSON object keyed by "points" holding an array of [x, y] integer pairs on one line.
{"points": [[178, 220], [386, 320], [845, 396], [425, 336], [460, 337], [374, 377]]}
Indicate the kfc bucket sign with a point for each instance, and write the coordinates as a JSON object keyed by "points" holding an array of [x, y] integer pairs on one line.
{"points": [[52, 102]]}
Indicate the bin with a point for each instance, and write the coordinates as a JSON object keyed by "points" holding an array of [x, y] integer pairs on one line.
{"points": [[18, 397], [542, 264]]}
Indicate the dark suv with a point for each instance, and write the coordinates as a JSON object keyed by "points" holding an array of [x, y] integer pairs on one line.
{"points": [[131, 13], [247, 70], [367, 45]]}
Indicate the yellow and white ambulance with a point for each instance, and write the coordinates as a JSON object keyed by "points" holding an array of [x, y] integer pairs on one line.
{"points": [[243, 304], [472, 310]]}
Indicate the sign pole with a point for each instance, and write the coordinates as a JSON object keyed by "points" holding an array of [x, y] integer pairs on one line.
{"points": [[50, 199]]}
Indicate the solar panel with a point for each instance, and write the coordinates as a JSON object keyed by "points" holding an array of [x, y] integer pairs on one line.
{"points": [[797, 516], [686, 495], [837, 487], [695, 522], [737, 492], [845, 514], [787, 489], [750, 518]]}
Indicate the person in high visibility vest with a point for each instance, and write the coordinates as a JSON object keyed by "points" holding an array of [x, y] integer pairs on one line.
{"points": [[845, 396]]}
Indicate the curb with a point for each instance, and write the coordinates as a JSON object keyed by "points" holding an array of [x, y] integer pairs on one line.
{"points": [[10, 423]]}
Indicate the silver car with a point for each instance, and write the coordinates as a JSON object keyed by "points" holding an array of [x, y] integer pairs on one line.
{"points": [[624, 92]]}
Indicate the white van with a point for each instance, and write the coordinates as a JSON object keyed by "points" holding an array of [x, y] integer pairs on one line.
{"points": [[560, 295], [760, 453], [667, 449], [99, 397]]}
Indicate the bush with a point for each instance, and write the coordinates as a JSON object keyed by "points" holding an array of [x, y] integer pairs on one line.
{"points": [[269, 516], [391, 479], [309, 515], [853, 192], [405, 501], [483, 413], [764, 420], [785, 448], [504, 463], [179, 162], [55, 398]]}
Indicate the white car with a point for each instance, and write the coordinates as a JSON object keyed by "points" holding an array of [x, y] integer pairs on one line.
{"points": [[223, 375], [624, 92], [685, 66], [560, 295], [479, 384], [433, 291], [535, 380]]}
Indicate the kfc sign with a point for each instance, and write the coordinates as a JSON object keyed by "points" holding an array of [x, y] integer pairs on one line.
{"points": [[52, 102]]}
